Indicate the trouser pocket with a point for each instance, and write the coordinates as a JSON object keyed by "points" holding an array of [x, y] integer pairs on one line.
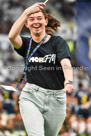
{"points": [[61, 98]]}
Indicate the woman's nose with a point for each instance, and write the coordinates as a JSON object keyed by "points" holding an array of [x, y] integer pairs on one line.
{"points": [[35, 21]]}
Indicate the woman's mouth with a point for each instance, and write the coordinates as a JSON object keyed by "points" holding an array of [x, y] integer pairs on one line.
{"points": [[36, 26]]}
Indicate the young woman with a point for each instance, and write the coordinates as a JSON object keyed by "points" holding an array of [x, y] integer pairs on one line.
{"points": [[48, 71]]}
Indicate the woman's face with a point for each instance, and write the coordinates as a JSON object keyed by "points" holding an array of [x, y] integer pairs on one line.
{"points": [[36, 23]]}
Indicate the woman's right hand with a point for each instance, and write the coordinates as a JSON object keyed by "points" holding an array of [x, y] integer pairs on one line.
{"points": [[14, 36], [34, 8]]}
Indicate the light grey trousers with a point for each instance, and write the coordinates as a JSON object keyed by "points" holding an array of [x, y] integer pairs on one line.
{"points": [[43, 111]]}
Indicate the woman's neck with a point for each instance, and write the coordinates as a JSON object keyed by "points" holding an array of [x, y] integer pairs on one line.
{"points": [[38, 38]]}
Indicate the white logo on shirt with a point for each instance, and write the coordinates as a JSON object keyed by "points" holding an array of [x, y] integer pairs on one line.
{"points": [[47, 58]]}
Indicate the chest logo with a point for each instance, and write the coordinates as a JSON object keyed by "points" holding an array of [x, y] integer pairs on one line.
{"points": [[46, 59]]}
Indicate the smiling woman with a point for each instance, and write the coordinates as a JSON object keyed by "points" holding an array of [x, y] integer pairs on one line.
{"points": [[36, 24], [42, 21], [43, 99]]}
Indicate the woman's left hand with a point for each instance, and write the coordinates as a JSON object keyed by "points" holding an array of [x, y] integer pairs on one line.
{"points": [[68, 88]]}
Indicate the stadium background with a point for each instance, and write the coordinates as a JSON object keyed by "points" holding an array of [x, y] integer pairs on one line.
{"points": [[75, 17]]}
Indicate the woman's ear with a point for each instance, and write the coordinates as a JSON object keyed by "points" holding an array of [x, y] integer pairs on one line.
{"points": [[46, 21], [26, 24]]}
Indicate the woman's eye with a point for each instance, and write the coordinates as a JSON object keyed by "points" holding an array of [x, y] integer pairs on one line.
{"points": [[40, 18], [31, 19]]}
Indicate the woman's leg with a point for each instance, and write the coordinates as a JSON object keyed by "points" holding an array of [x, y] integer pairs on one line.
{"points": [[43, 112], [53, 125], [32, 118], [55, 114]]}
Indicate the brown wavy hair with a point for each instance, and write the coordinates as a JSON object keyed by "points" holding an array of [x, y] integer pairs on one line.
{"points": [[53, 23]]}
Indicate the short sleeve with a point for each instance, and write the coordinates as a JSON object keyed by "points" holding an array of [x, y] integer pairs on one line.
{"points": [[23, 50], [62, 49]]}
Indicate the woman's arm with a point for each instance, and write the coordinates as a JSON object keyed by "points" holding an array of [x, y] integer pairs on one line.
{"points": [[68, 74], [14, 37], [18, 25]]}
